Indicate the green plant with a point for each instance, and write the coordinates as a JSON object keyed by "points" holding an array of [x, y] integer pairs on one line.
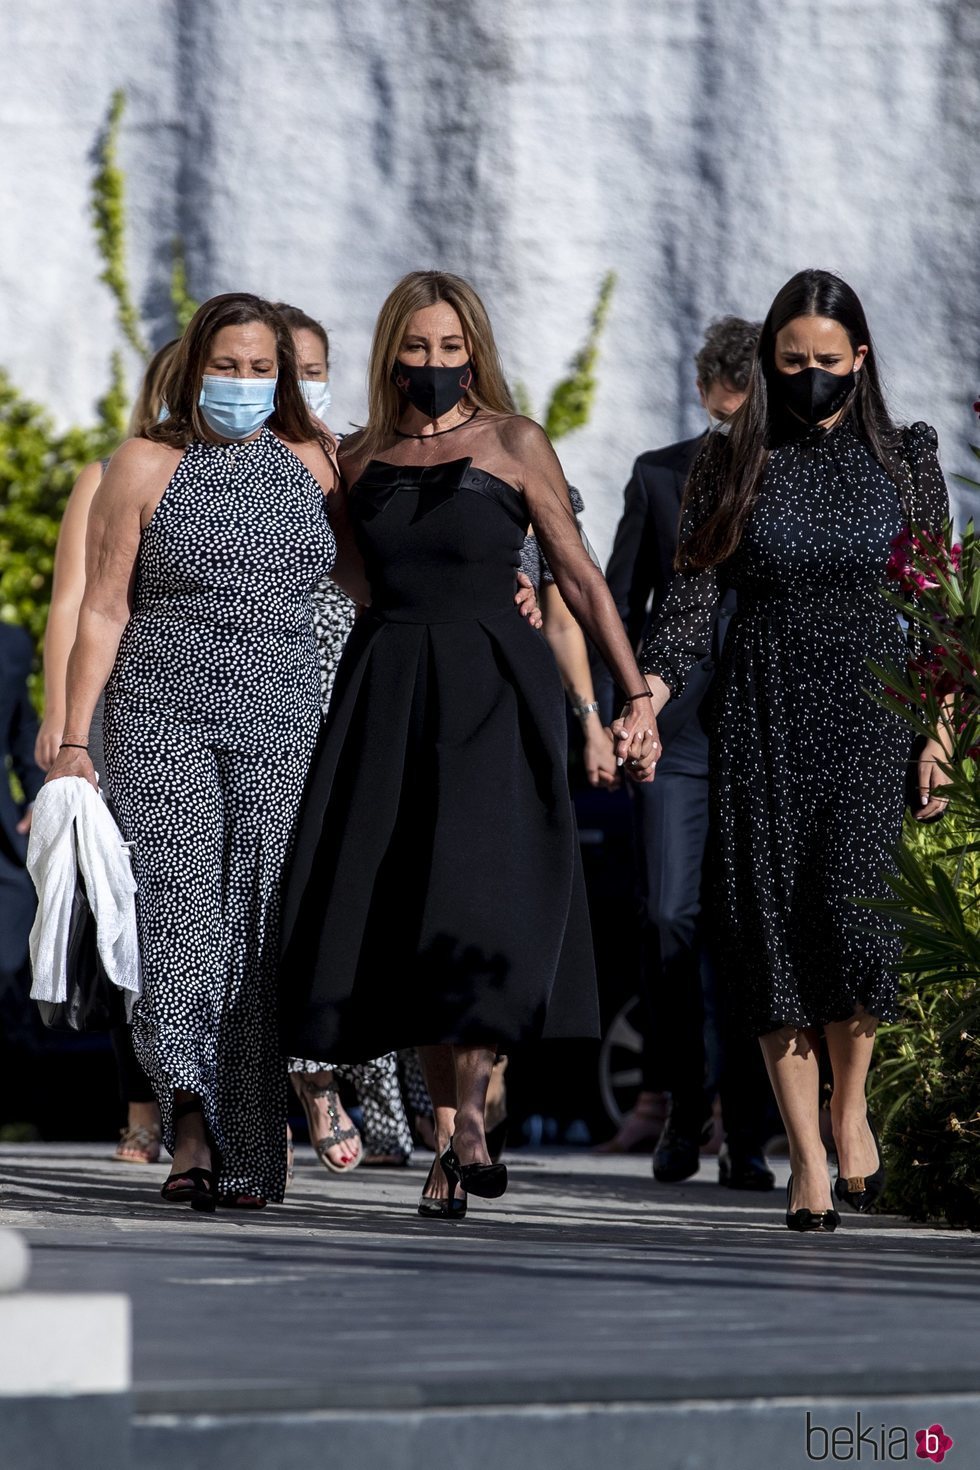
{"points": [[572, 399], [183, 304], [38, 466], [38, 462], [927, 1079], [109, 219]]}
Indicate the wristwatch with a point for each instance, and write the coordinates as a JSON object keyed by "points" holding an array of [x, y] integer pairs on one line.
{"points": [[584, 710]]}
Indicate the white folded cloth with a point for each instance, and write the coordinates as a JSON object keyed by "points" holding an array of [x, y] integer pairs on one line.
{"points": [[71, 816]]}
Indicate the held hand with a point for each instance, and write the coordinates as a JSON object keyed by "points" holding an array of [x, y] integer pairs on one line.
{"points": [[527, 601], [71, 762], [637, 741], [600, 759], [24, 825], [931, 781], [49, 737]]}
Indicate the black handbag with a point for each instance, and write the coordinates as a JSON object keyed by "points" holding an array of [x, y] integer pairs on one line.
{"points": [[93, 1003]]}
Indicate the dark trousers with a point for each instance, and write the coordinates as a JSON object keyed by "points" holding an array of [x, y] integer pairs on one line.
{"points": [[692, 1050], [134, 1085]]}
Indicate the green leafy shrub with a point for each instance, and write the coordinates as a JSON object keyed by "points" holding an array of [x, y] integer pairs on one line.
{"points": [[38, 462], [926, 1081], [38, 466]]}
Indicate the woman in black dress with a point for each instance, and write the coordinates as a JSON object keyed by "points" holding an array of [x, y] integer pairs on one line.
{"points": [[436, 895], [797, 508]]}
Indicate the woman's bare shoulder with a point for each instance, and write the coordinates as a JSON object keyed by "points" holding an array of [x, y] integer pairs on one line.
{"points": [[517, 433], [136, 457]]}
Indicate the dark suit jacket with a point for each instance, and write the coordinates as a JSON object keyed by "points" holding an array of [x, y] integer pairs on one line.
{"points": [[18, 731], [640, 573]]}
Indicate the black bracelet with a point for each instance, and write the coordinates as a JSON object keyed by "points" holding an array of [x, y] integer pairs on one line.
{"points": [[70, 745], [645, 695]]}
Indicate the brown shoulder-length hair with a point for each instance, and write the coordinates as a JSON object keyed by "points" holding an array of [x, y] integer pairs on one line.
{"points": [[734, 463], [298, 320], [149, 397], [413, 293], [290, 417]]}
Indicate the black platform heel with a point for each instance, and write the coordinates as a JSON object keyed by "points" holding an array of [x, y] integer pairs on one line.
{"points": [[441, 1209], [861, 1191], [191, 1186], [827, 1220], [486, 1180]]}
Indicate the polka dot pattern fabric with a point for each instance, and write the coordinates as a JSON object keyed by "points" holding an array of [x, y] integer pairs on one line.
{"points": [[806, 769], [212, 713], [384, 1124]]}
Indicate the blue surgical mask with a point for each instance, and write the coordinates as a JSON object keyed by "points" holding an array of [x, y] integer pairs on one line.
{"points": [[237, 407], [317, 394]]}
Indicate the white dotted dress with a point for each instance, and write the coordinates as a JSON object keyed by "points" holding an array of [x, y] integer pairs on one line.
{"points": [[212, 714], [806, 769]]}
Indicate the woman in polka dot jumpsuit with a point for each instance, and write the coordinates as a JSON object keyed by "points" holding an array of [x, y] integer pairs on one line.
{"points": [[797, 509], [204, 547]]}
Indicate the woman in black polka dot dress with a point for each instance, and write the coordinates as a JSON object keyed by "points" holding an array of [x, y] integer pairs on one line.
{"points": [[797, 509], [216, 520]]}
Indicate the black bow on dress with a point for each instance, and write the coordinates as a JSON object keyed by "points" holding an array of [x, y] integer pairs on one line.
{"points": [[380, 482]]}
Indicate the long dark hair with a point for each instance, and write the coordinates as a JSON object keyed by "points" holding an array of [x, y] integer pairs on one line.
{"points": [[290, 417], [736, 461]]}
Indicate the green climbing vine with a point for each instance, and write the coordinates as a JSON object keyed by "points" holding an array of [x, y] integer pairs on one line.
{"points": [[108, 200], [572, 399], [181, 301]]}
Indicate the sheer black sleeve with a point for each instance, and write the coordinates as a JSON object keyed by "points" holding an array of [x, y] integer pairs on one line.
{"points": [[928, 499], [578, 579], [681, 629]]}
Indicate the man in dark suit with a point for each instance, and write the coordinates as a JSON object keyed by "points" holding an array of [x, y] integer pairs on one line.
{"points": [[672, 816], [18, 731]]}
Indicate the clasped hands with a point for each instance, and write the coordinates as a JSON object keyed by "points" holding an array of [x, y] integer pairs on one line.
{"points": [[637, 740]]}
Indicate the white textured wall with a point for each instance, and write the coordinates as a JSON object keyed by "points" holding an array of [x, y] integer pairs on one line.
{"points": [[316, 149]]}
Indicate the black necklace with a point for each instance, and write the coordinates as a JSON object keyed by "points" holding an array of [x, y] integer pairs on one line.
{"points": [[439, 432]]}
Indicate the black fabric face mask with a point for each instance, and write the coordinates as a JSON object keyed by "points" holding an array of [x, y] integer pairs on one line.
{"points": [[434, 391], [813, 394]]}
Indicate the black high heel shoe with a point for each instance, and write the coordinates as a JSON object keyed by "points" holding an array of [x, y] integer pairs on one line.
{"points": [[441, 1209], [827, 1220], [861, 1191], [191, 1186], [486, 1180]]}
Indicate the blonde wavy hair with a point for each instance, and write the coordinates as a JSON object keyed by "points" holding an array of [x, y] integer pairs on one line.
{"points": [[149, 399], [413, 293]]}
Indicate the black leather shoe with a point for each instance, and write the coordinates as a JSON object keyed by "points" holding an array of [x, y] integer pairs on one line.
{"points": [[862, 1192], [804, 1220], [441, 1209], [678, 1152], [744, 1169]]}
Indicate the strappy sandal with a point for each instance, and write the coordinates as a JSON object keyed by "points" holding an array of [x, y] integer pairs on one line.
{"points": [[191, 1186], [138, 1145], [308, 1091]]}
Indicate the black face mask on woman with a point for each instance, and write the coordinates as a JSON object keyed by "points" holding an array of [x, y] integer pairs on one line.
{"points": [[434, 391], [813, 394]]}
